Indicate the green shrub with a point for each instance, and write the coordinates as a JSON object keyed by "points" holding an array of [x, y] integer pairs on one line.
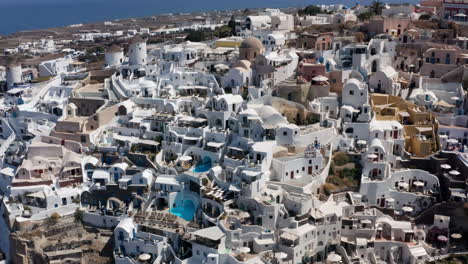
{"points": [[340, 159]]}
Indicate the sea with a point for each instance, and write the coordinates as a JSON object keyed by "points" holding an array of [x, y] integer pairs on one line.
{"points": [[20, 15]]}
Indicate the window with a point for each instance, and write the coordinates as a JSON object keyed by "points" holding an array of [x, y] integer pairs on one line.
{"points": [[351, 92]]}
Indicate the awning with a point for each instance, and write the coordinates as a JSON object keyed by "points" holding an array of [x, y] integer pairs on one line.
{"points": [[215, 144], [289, 236], [39, 195], [404, 114], [236, 149], [418, 184], [191, 138]]}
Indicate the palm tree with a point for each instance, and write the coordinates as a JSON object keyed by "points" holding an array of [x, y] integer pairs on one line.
{"points": [[376, 7]]}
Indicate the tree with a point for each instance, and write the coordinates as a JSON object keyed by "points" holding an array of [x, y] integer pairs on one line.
{"points": [[364, 16], [424, 17], [53, 219], [78, 215], [196, 36], [310, 11], [376, 7], [360, 37], [232, 25], [455, 27], [340, 159], [223, 32]]}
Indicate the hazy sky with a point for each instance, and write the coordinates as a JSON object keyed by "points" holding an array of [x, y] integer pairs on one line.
{"points": [[163, 2]]}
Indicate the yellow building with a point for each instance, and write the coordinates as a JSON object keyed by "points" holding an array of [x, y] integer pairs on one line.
{"points": [[421, 137], [231, 42]]}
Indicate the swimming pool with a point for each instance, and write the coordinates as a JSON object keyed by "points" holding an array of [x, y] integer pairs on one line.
{"points": [[202, 168], [186, 211], [205, 165]]}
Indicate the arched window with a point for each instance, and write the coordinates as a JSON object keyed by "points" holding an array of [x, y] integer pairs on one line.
{"points": [[374, 66]]}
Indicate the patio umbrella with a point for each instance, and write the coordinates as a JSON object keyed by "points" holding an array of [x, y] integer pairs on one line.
{"points": [[281, 255], [452, 141], [244, 250], [333, 258], [361, 142], [446, 166], [144, 257], [418, 184], [372, 156], [456, 236], [320, 78], [407, 209], [454, 173], [442, 238]]}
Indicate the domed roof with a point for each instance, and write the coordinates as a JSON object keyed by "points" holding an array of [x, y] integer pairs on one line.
{"points": [[252, 43], [244, 64], [13, 62], [114, 48], [137, 39]]}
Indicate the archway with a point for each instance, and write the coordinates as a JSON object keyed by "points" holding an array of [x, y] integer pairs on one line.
{"points": [[161, 203]]}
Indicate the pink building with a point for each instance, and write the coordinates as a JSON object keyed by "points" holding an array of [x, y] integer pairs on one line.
{"points": [[455, 9], [309, 70]]}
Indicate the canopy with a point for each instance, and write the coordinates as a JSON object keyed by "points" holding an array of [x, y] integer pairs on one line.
{"points": [[281, 255], [444, 104], [403, 184], [215, 144], [185, 158], [244, 250], [39, 195], [361, 142]]}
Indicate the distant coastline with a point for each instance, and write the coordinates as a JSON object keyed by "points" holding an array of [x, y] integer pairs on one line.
{"points": [[22, 17]]}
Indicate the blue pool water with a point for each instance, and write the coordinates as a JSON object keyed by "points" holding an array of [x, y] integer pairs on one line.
{"points": [[186, 211], [202, 168], [205, 165]]}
